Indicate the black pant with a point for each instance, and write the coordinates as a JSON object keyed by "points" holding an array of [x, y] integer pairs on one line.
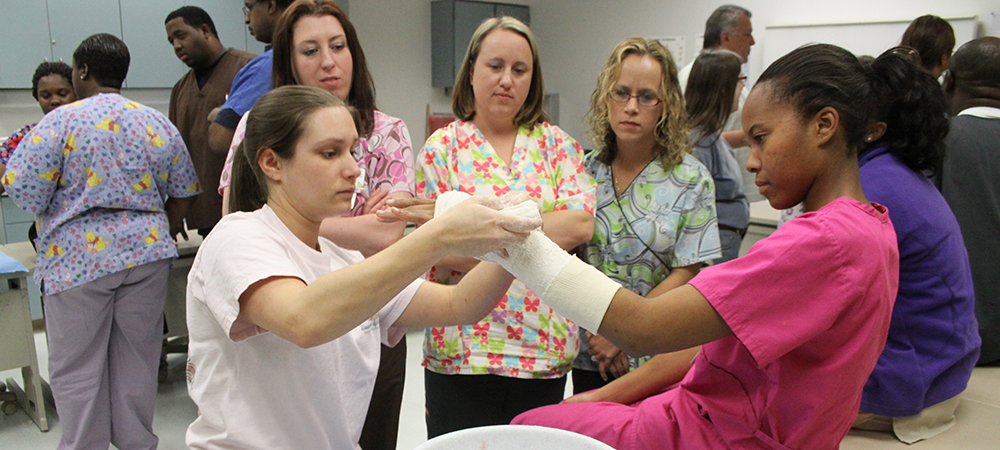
{"points": [[382, 423], [457, 402], [588, 380]]}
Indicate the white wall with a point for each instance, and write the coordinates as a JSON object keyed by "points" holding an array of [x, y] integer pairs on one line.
{"points": [[575, 38], [396, 36]]}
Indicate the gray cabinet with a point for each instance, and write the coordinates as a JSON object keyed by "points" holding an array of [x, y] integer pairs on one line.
{"points": [[50, 30], [23, 43], [71, 21], [15, 221], [153, 63], [452, 24]]}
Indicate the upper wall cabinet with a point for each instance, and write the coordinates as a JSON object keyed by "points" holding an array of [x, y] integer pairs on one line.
{"points": [[23, 43], [452, 24], [50, 30], [71, 21], [153, 63]]}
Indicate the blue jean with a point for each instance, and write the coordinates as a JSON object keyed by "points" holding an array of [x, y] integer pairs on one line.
{"points": [[731, 241]]}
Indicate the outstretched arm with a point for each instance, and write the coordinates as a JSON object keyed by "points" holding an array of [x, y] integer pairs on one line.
{"points": [[365, 233], [679, 319], [678, 277], [465, 303], [309, 315]]}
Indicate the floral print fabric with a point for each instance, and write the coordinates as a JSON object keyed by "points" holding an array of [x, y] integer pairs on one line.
{"points": [[97, 173], [521, 337], [386, 158], [664, 219], [8, 146]]}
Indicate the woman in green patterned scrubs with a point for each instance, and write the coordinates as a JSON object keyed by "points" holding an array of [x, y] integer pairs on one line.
{"points": [[655, 224]]}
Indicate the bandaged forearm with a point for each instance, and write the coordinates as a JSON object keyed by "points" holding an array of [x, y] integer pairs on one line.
{"points": [[572, 287]]}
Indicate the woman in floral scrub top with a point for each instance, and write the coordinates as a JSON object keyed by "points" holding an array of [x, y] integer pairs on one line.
{"points": [[109, 180], [517, 357], [656, 220]]}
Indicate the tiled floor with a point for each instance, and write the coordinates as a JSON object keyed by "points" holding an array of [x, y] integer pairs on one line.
{"points": [[978, 421], [978, 425]]}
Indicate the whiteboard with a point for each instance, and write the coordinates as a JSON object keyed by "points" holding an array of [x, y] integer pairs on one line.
{"points": [[861, 38]]}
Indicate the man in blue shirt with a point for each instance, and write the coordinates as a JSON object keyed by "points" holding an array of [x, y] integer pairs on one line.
{"points": [[254, 80]]}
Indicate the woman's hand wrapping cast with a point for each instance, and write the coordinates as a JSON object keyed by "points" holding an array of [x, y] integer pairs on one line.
{"points": [[572, 287]]}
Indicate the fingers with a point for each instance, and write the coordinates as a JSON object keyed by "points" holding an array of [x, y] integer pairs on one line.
{"points": [[512, 198], [178, 232], [376, 201], [411, 209], [519, 224], [490, 202], [604, 375], [370, 208], [419, 215], [408, 202], [386, 216], [619, 365]]}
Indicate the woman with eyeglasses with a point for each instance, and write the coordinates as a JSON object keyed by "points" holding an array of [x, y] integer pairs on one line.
{"points": [[655, 223], [712, 94], [517, 357]]}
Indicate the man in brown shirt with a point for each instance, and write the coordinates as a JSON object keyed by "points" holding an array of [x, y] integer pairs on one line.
{"points": [[196, 43]]}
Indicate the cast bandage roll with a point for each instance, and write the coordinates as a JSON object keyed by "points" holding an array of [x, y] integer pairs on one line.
{"points": [[572, 287]]}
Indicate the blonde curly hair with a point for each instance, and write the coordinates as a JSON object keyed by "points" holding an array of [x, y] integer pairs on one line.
{"points": [[672, 132]]}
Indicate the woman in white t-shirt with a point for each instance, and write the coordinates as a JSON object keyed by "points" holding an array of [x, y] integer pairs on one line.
{"points": [[284, 325]]}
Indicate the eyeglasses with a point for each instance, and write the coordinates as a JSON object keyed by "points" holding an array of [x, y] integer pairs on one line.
{"points": [[644, 98]]}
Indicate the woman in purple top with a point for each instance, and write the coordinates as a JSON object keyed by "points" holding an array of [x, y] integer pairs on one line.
{"points": [[933, 338]]}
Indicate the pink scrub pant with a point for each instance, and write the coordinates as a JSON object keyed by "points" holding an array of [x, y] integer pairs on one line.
{"points": [[651, 423]]}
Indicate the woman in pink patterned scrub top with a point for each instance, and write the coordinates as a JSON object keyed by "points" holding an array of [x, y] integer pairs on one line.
{"points": [[517, 357]]}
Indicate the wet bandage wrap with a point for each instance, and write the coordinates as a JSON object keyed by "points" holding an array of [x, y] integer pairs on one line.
{"points": [[572, 287]]}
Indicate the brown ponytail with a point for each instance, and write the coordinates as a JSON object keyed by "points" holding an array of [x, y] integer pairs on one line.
{"points": [[276, 122]]}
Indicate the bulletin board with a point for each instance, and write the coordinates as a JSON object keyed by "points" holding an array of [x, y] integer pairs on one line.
{"points": [[675, 44], [861, 38]]}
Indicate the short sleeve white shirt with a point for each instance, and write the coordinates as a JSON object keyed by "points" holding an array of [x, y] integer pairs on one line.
{"points": [[257, 390]]}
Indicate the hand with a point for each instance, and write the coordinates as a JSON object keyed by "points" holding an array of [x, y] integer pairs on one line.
{"points": [[472, 229], [214, 112], [618, 366], [416, 210], [178, 228], [607, 356], [376, 201], [511, 198]]}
